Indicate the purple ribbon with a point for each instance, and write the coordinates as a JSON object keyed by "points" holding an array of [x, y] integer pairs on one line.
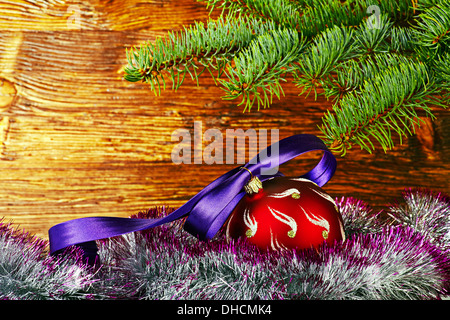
{"points": [[208, 210]]}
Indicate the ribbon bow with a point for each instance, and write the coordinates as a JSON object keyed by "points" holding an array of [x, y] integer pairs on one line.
{"points": [[208, 210]]}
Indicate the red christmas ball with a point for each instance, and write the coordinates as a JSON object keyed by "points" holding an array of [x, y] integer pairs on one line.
{"points": [[289, 213]]}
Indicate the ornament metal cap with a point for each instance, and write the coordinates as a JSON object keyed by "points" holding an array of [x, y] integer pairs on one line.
{"points": [[254, 184]]}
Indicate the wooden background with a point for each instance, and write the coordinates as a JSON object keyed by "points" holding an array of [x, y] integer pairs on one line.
{"points": [[77, 140]]}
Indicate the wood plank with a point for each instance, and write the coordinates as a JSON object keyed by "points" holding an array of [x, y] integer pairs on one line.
{"points": [[77, 140]]}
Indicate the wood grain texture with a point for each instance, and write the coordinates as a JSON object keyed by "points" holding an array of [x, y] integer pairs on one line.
{"points": [[77, 140]]}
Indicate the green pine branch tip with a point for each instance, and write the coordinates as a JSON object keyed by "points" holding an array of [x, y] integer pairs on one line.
{"points": [[381, 63]]}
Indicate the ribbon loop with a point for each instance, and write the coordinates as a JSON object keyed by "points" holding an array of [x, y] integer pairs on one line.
{"points": [[208, 210]]}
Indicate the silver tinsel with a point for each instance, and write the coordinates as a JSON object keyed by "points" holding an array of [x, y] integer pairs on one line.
{"points": [[28, 273], [427, 213], [377, 261], [404, 257]]}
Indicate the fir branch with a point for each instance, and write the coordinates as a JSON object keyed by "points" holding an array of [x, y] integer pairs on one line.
{"points": [[255, 72], [401, 40], [167, 263], [358, 217], [388, 103], [343, 40], [330, 47], [283, 13], [371, 40], [427, 213], [400, 10], [337, 51], [340, 63], [322, 14], [362, 268]]}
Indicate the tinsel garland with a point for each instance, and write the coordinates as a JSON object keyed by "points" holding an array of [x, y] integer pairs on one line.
{"points": [[403, 255]]}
